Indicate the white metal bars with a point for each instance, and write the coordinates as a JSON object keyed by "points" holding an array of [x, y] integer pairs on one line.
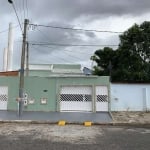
{"points": [[76, 98], [3, 97]]}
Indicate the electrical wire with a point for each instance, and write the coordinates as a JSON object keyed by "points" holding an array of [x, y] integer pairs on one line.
{"points": [[24, 9], [17, 16], [72, 51], [64, 60], [46, 37], [27, 9], [58, 44], [65, 51], [19, 8], [6, 30], [77, 29], [16, 5], [67, 45]]}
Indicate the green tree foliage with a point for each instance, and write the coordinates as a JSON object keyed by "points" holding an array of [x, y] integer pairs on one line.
{"points": [[131, 61]]}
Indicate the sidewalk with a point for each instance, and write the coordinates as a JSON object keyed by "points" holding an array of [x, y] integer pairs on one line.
{"points": [[141, 119], [131, 118], [55, 117]]}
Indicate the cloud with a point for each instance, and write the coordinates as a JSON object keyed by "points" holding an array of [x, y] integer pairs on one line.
{"points": [[89, 14], [68, 10], [59, 54]]}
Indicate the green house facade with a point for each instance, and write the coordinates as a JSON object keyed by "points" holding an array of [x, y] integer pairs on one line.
{"points": [[56, 88]]}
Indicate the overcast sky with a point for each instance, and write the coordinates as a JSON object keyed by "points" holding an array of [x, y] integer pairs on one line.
{"points": [[104, 15]]}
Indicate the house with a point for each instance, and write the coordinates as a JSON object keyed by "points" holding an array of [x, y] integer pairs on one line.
{"points": [[56, 87]]}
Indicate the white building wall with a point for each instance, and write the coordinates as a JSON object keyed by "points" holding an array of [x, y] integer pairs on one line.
{"points": [[130, 97]]}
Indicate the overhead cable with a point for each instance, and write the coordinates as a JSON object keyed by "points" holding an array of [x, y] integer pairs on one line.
{"points": [[69, 45], [77, 29], [6, 30], [16, 15], [27, 9]]}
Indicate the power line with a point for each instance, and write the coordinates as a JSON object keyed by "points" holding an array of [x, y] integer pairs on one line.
{"points": [[75, 57], [65, 45], [27, 8], [19, 3], [55, 44], [69, 45], [65, 51], [58, 56], [77, 29], [16, 5], [24, 8], [6, 30], [17, 17], [10, 1], [72, 51]]}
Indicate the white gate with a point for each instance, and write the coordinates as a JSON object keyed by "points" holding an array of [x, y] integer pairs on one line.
{"points": [[76, 98], [3, 97], [101, 98]]}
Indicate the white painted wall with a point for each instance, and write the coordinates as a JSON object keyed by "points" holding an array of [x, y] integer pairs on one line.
{"points": [[130, 97], [5, 59]]}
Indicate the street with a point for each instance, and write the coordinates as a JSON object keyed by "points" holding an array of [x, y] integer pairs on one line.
{"points": [[72, 137]]}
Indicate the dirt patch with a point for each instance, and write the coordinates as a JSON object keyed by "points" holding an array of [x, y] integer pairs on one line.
{"points": [[70, 133], [131, 117]]}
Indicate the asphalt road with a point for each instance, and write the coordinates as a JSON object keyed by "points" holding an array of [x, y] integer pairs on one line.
{"points": [[72, 137]]}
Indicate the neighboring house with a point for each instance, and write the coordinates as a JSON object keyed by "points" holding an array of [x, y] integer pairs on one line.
{"points": [[47, 70], [56, 87]]}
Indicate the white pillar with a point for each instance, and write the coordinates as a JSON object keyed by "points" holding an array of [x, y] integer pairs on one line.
{"points": [[10, 48], [5, 53], [144, 99]]}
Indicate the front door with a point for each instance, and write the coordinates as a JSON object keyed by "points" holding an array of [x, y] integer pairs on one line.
{"points": [[101, 98], [3, 97]]}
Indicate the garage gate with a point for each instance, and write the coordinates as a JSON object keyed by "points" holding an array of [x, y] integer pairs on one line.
{"points": [[76, 98], [80, 98], [3, 97]]}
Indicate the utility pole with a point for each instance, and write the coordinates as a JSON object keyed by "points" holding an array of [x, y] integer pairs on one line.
{"points": [[27, 60], [21, 83]]}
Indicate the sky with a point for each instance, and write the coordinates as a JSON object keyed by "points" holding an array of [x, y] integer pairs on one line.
{"points": [[103, 15]]}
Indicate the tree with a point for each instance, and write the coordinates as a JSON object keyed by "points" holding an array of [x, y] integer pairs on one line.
{"points": [[137, 40], [103, 57], [131, 61]]}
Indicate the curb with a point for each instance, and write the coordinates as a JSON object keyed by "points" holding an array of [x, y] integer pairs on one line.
{"points": [[133, 124], [27, 122]]}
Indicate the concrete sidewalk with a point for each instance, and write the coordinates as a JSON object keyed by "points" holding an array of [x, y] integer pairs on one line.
{"points": [[54, 117], [116, 118]]}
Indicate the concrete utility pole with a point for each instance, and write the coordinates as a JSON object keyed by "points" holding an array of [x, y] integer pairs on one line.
{"points": [[21, 83], [27, 60]]}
